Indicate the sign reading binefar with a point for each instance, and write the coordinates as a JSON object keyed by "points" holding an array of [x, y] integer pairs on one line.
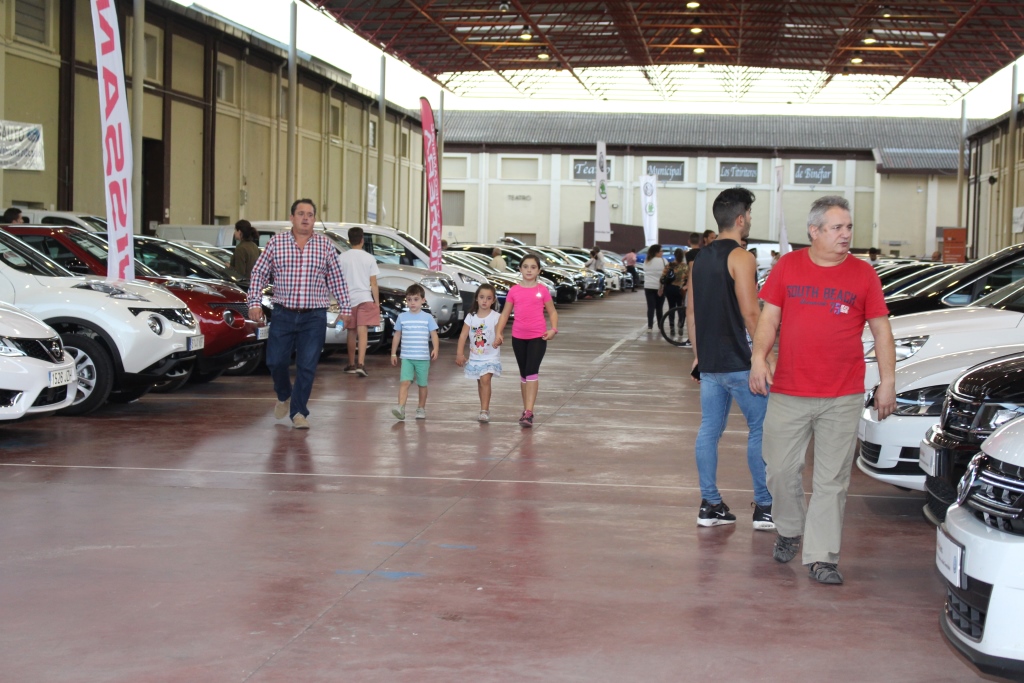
{"points": [[21, 146], [117, 141], [812, 174]]}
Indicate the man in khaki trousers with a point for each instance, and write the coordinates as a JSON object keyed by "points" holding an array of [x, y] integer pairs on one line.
{"points": [[820, 297]]}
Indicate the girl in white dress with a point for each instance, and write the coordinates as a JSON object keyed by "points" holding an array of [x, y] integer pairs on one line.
{"points": [[484, 358]]}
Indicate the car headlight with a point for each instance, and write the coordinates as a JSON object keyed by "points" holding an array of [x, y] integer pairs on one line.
{"points": [[470, 281], [198, 287], [905, 348], [155, 324], [9, 348], [110, 290], [992, 415], [921, 402], [434, 284]]}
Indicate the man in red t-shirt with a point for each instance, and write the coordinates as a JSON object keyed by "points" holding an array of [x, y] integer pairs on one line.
{"points": [[820, 297]]}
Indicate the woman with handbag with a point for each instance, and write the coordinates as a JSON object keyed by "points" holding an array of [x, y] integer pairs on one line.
{"points": [[673, 278], [653, 289]]}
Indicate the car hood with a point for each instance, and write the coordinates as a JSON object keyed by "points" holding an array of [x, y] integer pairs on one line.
{"points": [[17, 323], [975, 319], [210, 289], [155, 295], [942, 370], [1007, 443], [996, 380]]}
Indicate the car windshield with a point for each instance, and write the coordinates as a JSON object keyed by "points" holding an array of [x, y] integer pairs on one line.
{"points": [[174, 260], [99, 248], [1008, 298], [16, 254], [962, 274], [95, 222], [340, 243], [415, 242], [468, 263]]}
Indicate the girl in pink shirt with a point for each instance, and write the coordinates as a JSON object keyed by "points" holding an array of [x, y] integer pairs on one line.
{"points": [[530, 333]]}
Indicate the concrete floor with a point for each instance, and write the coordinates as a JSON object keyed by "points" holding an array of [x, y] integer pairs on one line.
{"points": [[190, 537]]}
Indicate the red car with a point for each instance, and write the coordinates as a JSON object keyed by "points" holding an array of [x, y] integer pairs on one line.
{"points": [[220, 308]]}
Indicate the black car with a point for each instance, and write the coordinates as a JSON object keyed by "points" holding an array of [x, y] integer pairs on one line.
{"points": [[568, 287], [963, 286], [980, 400]]}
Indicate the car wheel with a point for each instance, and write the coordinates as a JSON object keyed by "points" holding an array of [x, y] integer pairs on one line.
{"points": [[450, 330], [245, 367], [173, 380], [128, 395], [95, 371]]}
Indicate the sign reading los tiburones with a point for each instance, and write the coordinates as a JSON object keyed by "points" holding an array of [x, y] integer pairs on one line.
{"points": [[812, 174], [586, 169], [667, 171], [737, 172]]}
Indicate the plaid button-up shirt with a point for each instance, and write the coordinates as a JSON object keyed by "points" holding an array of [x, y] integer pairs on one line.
{"points": [[303, 278]]}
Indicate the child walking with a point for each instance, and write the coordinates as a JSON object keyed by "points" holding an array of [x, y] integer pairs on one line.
{"points": [[484, 356], [415, 330], [530, 333]]}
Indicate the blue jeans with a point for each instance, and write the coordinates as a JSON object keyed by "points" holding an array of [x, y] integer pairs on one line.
{"points": [[303, 335], [717, 391]]}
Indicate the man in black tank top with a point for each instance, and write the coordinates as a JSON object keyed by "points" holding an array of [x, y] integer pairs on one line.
{"points": [[722, 312]]}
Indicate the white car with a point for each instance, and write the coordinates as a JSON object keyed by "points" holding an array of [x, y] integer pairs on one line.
{"points": [[936, 333], [123, 337], [890, 449], [36, 376], [75, 218], [980, 551]]}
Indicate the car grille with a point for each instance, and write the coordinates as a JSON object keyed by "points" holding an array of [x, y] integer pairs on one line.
{"points": [[997, 495], [966, 608], [49, 350], [940, 496], [237, 307], [870, 452], [958, 414], [49, 397]]}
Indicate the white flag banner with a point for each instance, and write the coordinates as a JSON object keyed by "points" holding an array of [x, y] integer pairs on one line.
{"points": [[780, 215], [21, 146], [649, 197], [117, 141], [602, 218]]}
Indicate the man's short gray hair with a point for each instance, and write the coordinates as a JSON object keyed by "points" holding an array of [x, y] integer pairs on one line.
{"points": [[821, 206]]}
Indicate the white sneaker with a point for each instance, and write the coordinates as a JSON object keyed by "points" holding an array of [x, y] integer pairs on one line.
{"points": [[484, 416], [281, 409], [421, 413]]}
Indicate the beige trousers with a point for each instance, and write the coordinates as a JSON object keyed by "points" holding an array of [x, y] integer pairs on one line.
{"points": [[789, 424]]}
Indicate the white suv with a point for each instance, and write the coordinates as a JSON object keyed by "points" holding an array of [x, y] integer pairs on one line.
{"points": [[980, 551], [123, 337], [36, 376]]}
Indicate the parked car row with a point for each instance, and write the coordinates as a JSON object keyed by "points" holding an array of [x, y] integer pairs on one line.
{"points": [[958, 435]]}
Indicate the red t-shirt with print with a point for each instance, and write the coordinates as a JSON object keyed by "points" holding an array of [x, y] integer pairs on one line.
{"points": [[823, 314]]}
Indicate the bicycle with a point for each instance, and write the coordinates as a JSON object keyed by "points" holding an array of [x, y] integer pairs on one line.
{"points": [[673, 326]]}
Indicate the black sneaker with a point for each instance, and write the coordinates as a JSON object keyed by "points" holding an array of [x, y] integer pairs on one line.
{"points": [[763, 518], [786, 548], [713, 515]]}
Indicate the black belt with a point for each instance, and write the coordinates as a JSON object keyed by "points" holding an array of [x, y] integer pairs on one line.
{"points": [[300, 310]]}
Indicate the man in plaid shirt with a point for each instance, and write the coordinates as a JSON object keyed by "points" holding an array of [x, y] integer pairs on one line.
{"points": [[305, 272]]}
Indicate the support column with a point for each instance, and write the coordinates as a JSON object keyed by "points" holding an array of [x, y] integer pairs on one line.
{"points": [[382, 119], [138, 86], [1005, 233], [555, 203], [629, 180], [293, 107], [931, 217], [483, 192], [773, 202]]}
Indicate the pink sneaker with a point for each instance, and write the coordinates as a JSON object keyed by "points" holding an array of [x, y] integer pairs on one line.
{"points": [[527, 419]]}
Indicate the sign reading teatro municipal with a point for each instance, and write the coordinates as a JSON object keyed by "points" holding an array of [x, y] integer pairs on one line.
{"points": [[813, 173], [667, 171], [737, 172], [586, 169]]}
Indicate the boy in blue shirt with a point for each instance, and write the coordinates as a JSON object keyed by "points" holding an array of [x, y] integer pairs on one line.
{"points": [[414, 330]]}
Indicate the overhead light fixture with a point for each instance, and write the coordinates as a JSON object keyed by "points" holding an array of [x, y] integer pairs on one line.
{"points": [[698, 50], [870, 39], [856, 60], [503, 7], [543, 56], [692, 5], [526, 35], [696, 29], [886, 15]]}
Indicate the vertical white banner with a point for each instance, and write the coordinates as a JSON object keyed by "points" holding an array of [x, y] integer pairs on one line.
{"points": [[780, 214], [602, 219], [649, 203], [117, 136]]}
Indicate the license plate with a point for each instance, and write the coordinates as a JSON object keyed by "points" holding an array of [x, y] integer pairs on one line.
{"points": [[927, 458], [262, 332], [59, 378], [196, 343], [949, 556]]}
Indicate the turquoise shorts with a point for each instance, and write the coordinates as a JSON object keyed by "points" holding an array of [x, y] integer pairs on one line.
{"points": [[415, 370]]}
